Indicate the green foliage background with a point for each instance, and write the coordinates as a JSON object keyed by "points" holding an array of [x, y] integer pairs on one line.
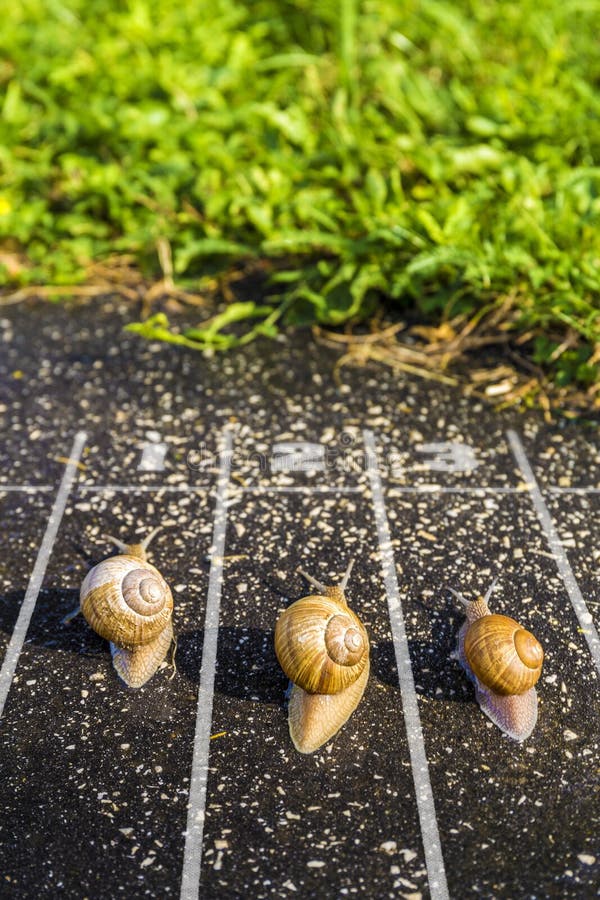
{"points": [[438, 154]]}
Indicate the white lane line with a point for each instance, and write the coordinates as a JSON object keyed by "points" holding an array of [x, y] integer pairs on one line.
{"points": [[26, 488], [19, 634], [132, 488], [434, 861], [573, 490], [440, 489], [299, 489], [192, 855], [318, 489], [558, 551]]}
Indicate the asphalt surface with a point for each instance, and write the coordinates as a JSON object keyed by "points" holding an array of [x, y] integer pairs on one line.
{"points": [[190, 786]]}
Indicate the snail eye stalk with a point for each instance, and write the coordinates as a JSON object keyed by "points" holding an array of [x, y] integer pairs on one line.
{"points": [[344, 581], [311, 580], [120, 545], [490, 589], [150, 537]]}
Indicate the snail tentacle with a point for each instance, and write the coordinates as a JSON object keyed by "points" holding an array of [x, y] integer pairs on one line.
{"points": [[70, 616], [120, 545], [173, 652], [345, 579], [459, 596], [150, 537], [488, 593], [311, 580]]}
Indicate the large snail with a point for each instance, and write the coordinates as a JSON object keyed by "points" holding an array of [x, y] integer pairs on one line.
{"points": [[126, 600], [323, 648], [504, 661]]}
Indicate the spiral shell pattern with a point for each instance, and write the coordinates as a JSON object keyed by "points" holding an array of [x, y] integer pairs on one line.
{"points": [[321, 645], [126, 600], [502, 655]]}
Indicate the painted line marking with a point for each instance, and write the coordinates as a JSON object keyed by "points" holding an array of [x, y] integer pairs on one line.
{"points": [[132, 488], [318, 489], [192, 855], [434, 860], [26, 488], [574, 490], [440, 489], [560, 556], [276, 489], [298, 489], [19, 634]]}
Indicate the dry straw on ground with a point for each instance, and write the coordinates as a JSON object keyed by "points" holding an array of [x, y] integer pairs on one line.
{"points": [[454, 353]]}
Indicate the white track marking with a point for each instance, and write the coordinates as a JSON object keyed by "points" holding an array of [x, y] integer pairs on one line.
{"points": [[296, 489], [441, 489], [26, 488], [317, 489], [573, 490], [436, 873], [17, 640], [299, 489], [192, 856], [560, 557], [134, 488]]}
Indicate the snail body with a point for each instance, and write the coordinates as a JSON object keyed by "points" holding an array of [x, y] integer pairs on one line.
{"points": [[126, 600], [504, 662], [323, 648]]}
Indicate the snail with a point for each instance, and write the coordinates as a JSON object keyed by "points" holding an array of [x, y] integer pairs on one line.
{"points": [[504, 661], [323, 648], [126, 600]]}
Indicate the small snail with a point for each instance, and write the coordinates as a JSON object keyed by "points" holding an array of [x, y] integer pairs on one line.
{"points": [[323, 648], [128, 602], [504, 661]]}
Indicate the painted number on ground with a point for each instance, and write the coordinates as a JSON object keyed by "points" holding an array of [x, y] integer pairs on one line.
{"points": [[298, 456], [449, 456]]}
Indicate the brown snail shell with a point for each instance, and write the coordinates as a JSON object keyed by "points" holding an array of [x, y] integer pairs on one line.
{"points": [[504, 661], [320, 644], [323, 648], [503, 655], [126, 600]]}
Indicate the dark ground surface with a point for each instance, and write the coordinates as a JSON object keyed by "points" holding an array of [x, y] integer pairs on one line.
{"points": [[95, 777]]}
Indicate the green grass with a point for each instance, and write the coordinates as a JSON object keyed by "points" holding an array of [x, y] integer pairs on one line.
{"points": [[437, 155]]}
